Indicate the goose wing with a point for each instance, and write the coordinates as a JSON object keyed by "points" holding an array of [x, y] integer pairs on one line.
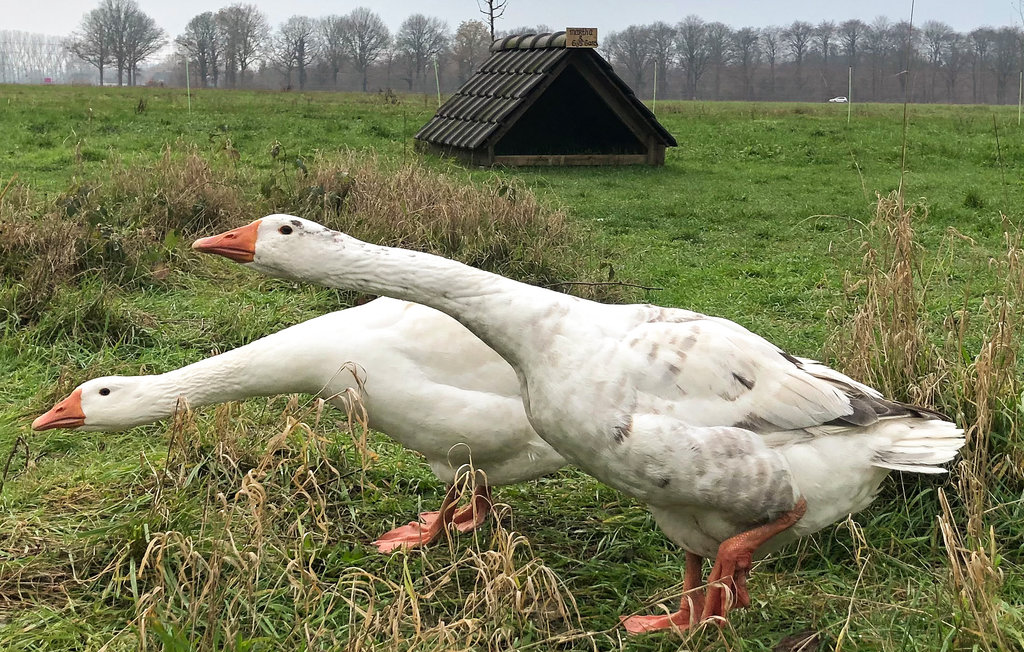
{"points": [[712, 372]]}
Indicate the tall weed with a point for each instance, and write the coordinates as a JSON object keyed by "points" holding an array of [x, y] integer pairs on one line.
{"points": [[270, 546], [966, 364]]}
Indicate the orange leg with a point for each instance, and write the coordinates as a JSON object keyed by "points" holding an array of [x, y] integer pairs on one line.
{"points": [[727, 584], [475, 513], [421, 532], [690, 607]]}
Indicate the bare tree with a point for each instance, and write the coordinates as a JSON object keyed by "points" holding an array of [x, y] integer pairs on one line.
{"points": [[132, 36], [692, 46], [471, 47], [662, 38], [364, 38], [936, 36], [332, 52], [954, 59], [493, 9], [877, 45], [632, 49], [244, 33], [850, 34], [771, 45], [797, 38], [92, 42], [143, 39], [719, 54], [981, 49], [1005, 58], [905, 39], [201, 44], [745, 45], [296, 47], [823, 39], [116, 16], [420, 40]]}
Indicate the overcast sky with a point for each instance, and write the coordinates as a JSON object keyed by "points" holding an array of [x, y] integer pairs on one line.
{"points": [[60, 17]]}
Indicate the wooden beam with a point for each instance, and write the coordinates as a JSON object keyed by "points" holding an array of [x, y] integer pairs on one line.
{"points": [[515, 160]]}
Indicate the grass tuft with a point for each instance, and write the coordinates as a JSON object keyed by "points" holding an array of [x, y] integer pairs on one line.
{"points": [[968, 366]]}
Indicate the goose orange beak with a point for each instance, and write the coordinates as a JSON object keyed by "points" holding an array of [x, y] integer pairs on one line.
{"points": [[238, 244], [66, 414]]}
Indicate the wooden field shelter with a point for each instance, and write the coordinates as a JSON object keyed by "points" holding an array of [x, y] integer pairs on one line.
{"points": [[537, 102]]}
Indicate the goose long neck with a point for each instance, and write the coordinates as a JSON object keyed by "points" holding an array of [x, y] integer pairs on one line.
{"points": [[507, 315], [263, 368]]}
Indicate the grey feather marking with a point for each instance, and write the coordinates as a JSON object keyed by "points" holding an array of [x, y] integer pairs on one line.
{"points": [[673, 315], [868, 409], [791, 359], [746, 382], [653, 353], [754, 423], [687, 343], [622, 431]]}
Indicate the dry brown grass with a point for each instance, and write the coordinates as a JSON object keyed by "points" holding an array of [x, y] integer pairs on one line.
{"points": [[265, 545], [38, 252], [184, 192], [975, 580], [884, 342], [892, 342], [498, 225], [131, 225]]}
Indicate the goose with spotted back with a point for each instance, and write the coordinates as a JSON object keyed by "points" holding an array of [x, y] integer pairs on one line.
{"points": [[735, 446], [424, 380]]}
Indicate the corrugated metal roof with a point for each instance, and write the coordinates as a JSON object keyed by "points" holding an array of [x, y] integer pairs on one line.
{"points": [[505, 82], [529, 42]]}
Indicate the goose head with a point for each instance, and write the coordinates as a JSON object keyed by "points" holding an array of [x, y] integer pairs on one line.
{"points": [[282, 246], [106, 404]]}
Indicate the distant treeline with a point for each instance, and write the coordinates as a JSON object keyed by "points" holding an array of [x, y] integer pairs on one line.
{"points": [[236, 46], [800, 61]]}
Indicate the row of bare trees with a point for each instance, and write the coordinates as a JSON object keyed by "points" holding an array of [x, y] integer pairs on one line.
{"points": [[315, 51], [224, 46], [236, 46], [119, 35], [35, 58], [694, 59]]}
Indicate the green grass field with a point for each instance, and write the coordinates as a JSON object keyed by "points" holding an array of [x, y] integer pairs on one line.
{"points": [[761, 215]]}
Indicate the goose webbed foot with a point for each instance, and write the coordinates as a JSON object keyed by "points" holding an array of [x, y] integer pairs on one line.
{"points": [[687, 616], [691, 607], [422, 532], [415, 534], [727, 584], [475, 513]]}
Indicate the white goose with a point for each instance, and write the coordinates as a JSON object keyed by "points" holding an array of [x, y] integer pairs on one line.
{"points": [[427, 382], [735, 446]]}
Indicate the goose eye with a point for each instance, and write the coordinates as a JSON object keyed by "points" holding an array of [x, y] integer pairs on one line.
{"points": [[285, 230], [104, 391]]}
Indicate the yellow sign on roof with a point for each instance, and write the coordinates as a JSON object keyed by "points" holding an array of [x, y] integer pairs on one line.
{"points": [[581, 37]]}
